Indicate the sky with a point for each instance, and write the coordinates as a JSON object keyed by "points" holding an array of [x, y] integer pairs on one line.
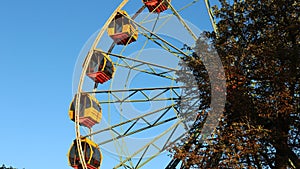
{"points": [[39, 45]]}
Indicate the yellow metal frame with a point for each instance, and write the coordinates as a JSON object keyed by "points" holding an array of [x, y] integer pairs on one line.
{"points": [[84, 69]]}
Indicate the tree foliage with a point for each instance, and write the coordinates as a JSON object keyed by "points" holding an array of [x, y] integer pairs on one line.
{"points": [[3, 167], [258, 44]]}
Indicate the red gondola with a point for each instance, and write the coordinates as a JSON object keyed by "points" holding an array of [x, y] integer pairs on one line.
{"points": [[122, 30], [92, 154], [90, 112], [101, 68], [156, 6]]}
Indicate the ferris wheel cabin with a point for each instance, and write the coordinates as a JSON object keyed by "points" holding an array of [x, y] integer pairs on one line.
{"points": [[122, 30], [100, 68], [156, 6], [91, 151], [90, 112]]}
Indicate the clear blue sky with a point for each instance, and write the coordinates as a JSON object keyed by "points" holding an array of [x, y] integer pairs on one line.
{"points": [[39, 45]]}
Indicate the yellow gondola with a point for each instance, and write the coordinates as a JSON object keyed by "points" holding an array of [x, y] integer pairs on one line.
{"points": [[100, 68], [122, 30], [92, 154], [90, 111]]}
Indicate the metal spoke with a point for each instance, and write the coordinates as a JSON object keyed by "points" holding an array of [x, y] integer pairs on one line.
{"points": [[182, 21], [211, 16], [172, 129], [133, 122], [148, 72], [160, 41], [144, 97], [136, 60], [142, 63]]}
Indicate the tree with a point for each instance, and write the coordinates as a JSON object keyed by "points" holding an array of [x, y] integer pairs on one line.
{"points": [[258, 44], [3, 167]]}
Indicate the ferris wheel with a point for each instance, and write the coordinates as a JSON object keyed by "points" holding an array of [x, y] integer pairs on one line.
{"points": [[127, 95]]}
